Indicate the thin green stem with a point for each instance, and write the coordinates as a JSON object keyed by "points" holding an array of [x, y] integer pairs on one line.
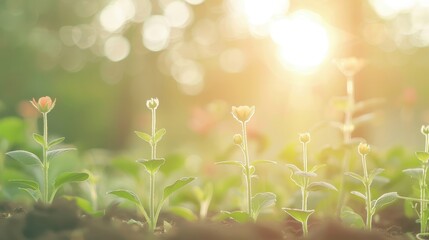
{"points": [[304, 192], [152, 176], [423, 203], [367, 194], [45, 198], [152, 202], [248, 174]]}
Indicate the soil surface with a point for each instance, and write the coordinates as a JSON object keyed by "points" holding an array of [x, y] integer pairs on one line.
{"points": [[63, 220]]}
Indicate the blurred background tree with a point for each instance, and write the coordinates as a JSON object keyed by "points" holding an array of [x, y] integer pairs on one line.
{"points": [[102, 59]]}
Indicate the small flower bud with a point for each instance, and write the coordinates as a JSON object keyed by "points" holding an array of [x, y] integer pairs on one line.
{"points": [[238, 139], [349, 66], [243, 113], [152, 103], [304, 137], [364, 148], [44, 104], [425, 129]]}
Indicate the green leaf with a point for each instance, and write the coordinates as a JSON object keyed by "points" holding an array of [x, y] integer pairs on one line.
{"points": [[352, 219], [317, 167], [262, 161], [422, 156], [127, 195], [70, 177], [359, 194], [355, 176], [39, 139], [152, 166], [82, 203], [236, 163], [35, 194], [28, 184], [261, 201], [56, 142], [318, 186], [238, 216], [414, 172], [293, 167], [362, 119], [306, 174], [384, 199], [176, 186], [24, 157], [374, 173], [159, 134], [54, 153], [298, 214], [371, 103], [185, 213], [146, 137]]}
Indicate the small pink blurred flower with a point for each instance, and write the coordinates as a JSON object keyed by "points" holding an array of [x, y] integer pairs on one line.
{"points": [[409, 97], [26, 110], [201, 121], [44, 104]]}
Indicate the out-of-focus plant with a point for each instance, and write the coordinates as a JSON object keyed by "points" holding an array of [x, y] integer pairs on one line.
{"points": [[152, 167], [255, 203], [204, 197], [302, 179], [44, 105], [421, 174], [352, 118], [371, 206]]}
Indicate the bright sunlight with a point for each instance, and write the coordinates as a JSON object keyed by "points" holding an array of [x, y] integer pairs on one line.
{"points": [[302, 40]]}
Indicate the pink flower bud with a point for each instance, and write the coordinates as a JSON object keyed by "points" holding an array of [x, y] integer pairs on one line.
{"points": [[44, 104]]}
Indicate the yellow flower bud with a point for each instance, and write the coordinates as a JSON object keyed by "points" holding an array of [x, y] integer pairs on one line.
{"points": [[238, 139], [243, 113], [364, 148], [304, 137], [152, 103], [349, 66]]}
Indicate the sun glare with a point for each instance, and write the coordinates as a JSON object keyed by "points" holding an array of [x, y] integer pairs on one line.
{"points": [[302, 40], [259, 12]]}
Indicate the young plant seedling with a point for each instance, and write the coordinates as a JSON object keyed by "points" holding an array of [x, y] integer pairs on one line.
{"points": [[44, 105], [255, 203], [421, 175], [371, 206], [302, 179], [152, 167], [348, 105]]}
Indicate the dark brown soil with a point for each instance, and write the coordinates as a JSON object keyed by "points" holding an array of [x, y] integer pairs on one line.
{"points": [[63, 220]]}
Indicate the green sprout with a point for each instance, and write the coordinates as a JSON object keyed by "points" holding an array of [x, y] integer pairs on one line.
{"points": [[48, 191], [367, 179], [351, 109], [152, 167], [258, 202], [302, 179], [421, 175]]}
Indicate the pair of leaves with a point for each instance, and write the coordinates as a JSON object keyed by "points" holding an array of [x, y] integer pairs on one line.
{"points": [[299, 214], [40, 140], [152, 140], [152, 166], [374, 173], [29, 159], [132, 197]]}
